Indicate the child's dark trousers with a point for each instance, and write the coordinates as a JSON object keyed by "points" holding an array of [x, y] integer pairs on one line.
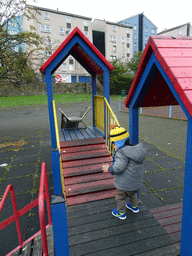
{"points": [[122, 197]]}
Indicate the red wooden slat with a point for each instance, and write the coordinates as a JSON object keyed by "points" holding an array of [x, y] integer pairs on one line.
{"points": [[90, 161], [85, 169], [173, 43], [178, 62], [87, 178], [75, 143], [84, 188], [82, 155], [91, 197], [83, 148]]}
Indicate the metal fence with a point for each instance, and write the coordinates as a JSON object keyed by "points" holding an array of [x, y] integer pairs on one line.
{"points": [[174, 112]]}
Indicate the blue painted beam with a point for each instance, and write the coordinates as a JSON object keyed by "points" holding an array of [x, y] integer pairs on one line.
{"points": [[186, 232], [134, 125], [94, 92]]}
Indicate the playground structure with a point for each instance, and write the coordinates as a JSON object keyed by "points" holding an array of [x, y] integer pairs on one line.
{"points": [[70, 147], [164, 77]]}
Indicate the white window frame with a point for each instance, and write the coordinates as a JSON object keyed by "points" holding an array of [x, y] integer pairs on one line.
{"points": [[135, 27], [123, 39], [114, 48], [85, 23], [114, 28], [68, 19], [61, 30], [64, 66], [152, 31], [46, 16], [45, 28]]}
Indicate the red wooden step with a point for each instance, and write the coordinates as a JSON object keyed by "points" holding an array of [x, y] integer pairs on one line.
{"points": [[84, 162], [83, 155], [75, 143], [87, 178], [80, 199], [83, 148], [89, 187]]}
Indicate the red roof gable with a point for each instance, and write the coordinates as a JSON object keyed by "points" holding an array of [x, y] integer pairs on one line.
{"points": [[175, 57], [78, 51]]}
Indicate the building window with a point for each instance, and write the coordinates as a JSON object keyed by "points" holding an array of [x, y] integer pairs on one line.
{"points": [[48, 53], [128, 30], [128, 40], [46, 16], [113, 39], [112, 57], [114, 48], [61, 31], [135, 36], [48, 41], [128, 50], [123, 59], [123, 40], [114, 28], [180, 32], [12, 24], [85, 28], [135, 44], [68, 19], [85, 23], [152, 31], [135, 27], [64, 67], [128, 59], [146, 29], [68, 25], [45, 28], [86, 34], [146, 37], [12, 32], [71, 67]]}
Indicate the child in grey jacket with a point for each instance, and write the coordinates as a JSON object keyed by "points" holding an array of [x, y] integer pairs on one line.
{"points": [[127, 168]]}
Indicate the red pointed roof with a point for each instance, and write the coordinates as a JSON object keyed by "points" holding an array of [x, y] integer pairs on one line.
{"points": [[78, 52], [175, 57]]}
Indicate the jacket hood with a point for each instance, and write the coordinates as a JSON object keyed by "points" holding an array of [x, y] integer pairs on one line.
{"points": [[137, 153]]}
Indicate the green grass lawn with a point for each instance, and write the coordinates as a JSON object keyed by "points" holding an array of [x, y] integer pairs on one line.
{"points": [[42, 99]]}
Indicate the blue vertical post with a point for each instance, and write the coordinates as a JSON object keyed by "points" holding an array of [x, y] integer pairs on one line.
{"points": [[134, 125], [60, 230], [94, 92], [106, 84], [55, 151], [186, 231], [170, 111]]}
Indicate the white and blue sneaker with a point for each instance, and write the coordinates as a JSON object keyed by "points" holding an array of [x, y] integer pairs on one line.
{"points": [[119, 215], [133, 209]]}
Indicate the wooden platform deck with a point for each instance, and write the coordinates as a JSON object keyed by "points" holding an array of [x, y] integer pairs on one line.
{"points": [[93, 231]]}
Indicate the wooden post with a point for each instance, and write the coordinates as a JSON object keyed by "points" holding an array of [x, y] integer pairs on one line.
{"points": [[94, 92]]}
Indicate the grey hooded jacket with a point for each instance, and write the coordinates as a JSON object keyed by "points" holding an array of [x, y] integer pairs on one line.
{"points": [[128, 167]]}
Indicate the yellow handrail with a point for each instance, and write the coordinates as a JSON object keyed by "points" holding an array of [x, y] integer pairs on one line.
{"points": [[105, 119], [58, 146]]}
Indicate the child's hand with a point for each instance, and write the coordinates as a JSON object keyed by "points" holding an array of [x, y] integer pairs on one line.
{"points": [[105, 168]]}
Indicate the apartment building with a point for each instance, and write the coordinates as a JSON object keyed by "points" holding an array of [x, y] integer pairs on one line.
{"points": [[112, 39], [143, 28], [54, 26], [182, 30]]}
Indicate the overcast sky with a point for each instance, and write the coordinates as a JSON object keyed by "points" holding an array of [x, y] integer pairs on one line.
{"points": [[163, 13]]}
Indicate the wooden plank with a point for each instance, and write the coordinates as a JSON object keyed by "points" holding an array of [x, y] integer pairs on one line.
{"points": [[83, 148], [87, 178], [96, 131], [50, 241], [171, 220], [109, 231], [75, 143], [166, 207], [26, 251], [127, 243], [80, 199], [173, 228], [173, 249], [61, 136], [79, 134], [37, 246], [178, 62], [84, 188], [84, 162], [86, 169], [168, 213], [82, 155], [170, 43], [72, 134]]}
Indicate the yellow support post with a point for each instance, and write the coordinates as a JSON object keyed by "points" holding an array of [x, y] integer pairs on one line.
{"points": [[58, 146]]}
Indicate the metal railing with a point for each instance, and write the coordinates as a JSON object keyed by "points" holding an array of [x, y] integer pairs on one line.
{"points": [[17, 214]]}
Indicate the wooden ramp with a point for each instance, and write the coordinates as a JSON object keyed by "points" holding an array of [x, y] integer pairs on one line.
{"points": [[82, 161]]}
